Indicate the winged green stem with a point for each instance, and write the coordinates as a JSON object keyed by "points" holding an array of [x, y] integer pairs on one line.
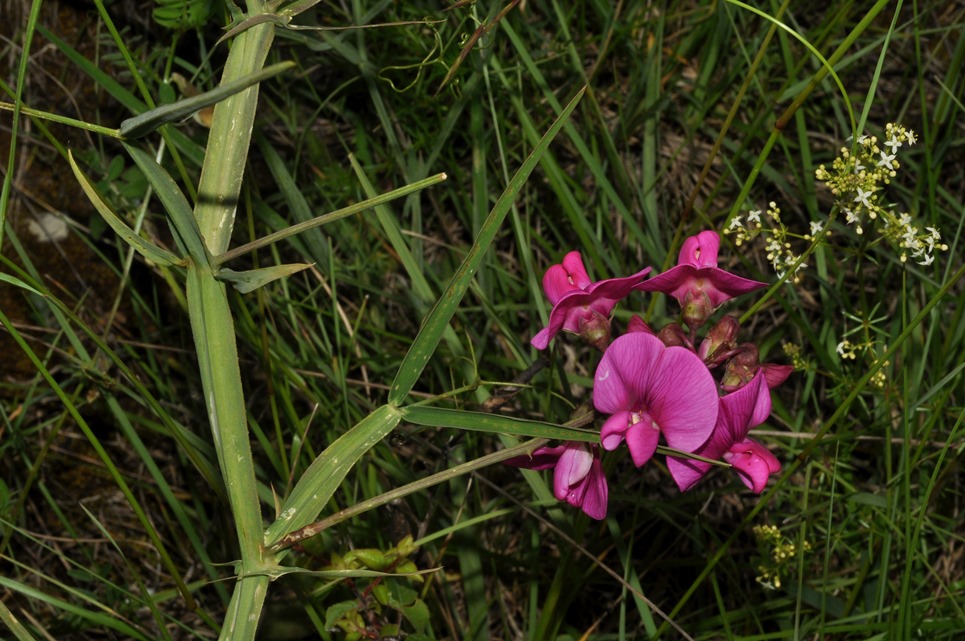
{"points": [[213, 326]]}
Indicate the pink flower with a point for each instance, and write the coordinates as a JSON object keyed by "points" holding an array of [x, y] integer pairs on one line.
{"points": [[579, 305], [739, 412], [578, 475], [697, 283], [651, 389], [754, 463]]}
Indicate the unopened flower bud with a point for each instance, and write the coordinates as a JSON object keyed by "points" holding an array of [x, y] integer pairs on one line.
{"points": [[697, 308], [719, 341], [741, 368], [595, 330], [672, 335]]}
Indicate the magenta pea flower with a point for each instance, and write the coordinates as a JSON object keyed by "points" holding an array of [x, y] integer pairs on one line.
{"points": [[577, 476], [652, 390], [581, 306], [740, 411], [754, 463], [697, 283]]}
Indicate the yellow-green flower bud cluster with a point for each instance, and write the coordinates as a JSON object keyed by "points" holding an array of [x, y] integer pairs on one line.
{"points": [[782, 553]]}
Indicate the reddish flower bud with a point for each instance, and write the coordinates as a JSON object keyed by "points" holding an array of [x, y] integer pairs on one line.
{"points": [[595, 330], [672, 335], [741, 368], [719, 341]]}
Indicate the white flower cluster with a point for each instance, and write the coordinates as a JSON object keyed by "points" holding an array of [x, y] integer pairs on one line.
{"points": [[909, 238], [856, 180], [778, 247]]}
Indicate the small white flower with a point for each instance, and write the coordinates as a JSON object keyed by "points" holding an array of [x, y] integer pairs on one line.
{"points": [[933, 232], [927, 260], [816, 227], [754, 216], [850, 216], [911, 138], [893, 143], [862, 197], [886, 160], [735, 223]]}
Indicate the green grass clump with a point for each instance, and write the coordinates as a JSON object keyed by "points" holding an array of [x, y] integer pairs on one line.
{"points": [[114, 512]]}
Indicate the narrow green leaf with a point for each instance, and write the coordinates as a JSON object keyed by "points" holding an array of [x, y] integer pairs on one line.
{"points": [[148, 121], [251, 279], [324, 219], [298, 205], [323, 476], [484, 422], [16, 282], [308, 531], [102, 79], [22, 633], [175, 204], [144, 248], [438, 319], [393, 233], [97, 619], [343, 574]]}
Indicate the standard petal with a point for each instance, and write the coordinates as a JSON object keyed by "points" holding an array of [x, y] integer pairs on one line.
{"points": [[624, 373], [675, 279], [683, 399], [642, 439], [720, 286]]}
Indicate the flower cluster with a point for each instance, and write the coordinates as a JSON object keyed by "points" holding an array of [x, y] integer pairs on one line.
{"points": [[659, 387], [856, 179], [782, 556], [768, 223]]}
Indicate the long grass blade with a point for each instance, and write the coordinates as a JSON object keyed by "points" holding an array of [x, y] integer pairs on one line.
{"points": [[438, 319]]}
